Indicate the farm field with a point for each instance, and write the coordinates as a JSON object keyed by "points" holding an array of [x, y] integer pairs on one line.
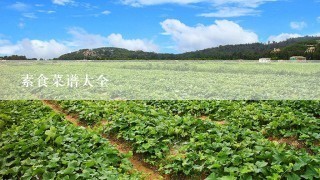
{"points": [[37, 143], [132, 133], [160, 90], [160, 139], [159, 80]]}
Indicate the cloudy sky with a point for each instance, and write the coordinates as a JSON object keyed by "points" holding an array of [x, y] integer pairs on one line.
{"points": [[49, 28]]}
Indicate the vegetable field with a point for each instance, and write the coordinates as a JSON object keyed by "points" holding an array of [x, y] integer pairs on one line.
{"points": [[173, 139], [159, 80]]}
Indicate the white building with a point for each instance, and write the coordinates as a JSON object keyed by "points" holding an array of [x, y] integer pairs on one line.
{"points": [[265, 60]]}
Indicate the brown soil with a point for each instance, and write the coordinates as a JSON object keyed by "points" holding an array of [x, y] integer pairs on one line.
{"points": [[206, 118], [221, 122], [150, 173], [292, 141], [174, 151], [104, 122], [56, 108], [203, 117]]}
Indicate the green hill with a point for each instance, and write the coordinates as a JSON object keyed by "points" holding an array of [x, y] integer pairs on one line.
{"points": [[110, 53], [303, 46]]}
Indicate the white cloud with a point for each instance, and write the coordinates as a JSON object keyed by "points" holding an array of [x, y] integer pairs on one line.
{"points": [[34, 48], [283, 37], [243, 3], [298, 25], [47, 11], [224, 8], [8, 49], [82, 39], [117, 40], [62, 2], [4, 42], [318, 19], [138, 3], [29, 15], [226, 12], [86, 15], [223, 32], [106, 12], [39, 5], [19, 6], [74, 3], [44, 49]]}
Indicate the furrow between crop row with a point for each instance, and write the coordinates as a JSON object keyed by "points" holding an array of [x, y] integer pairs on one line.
{"points": [[148, 172]]}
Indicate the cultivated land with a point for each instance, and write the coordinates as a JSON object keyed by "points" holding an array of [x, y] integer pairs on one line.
{"points": [[162, 139], [159, 80]]}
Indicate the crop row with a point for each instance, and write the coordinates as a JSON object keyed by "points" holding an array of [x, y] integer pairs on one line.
{"points": [[228, 141], [281, 119], [36, 143]]}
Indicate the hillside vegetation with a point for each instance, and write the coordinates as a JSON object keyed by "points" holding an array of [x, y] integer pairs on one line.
{"points": [[303, 46]]}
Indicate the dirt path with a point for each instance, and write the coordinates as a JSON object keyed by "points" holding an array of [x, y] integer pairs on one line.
{"points": [[122, 147], [206, 118]]}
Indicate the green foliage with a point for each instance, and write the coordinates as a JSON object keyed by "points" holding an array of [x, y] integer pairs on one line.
{"points": [[48, 147], [87, 112], [14, 57], [113, 54], [171, 135], [290, 47]]}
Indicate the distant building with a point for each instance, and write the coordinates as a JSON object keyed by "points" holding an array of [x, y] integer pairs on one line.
{"points": [[265, 60], [276, 50], [311, 49], [298, 58]]}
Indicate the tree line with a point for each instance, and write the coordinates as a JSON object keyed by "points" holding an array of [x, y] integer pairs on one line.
{"points": [[274, 50]]}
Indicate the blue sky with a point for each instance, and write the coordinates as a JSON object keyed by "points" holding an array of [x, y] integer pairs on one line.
{"points": [[49, 28]]}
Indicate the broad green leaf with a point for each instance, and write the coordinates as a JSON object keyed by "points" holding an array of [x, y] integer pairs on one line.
{"points": [[59, 140], [227, 178], [311, 173], [90, 163], [261, 164], [212, 176], [51, 133], [292, 176], [49, 175]]}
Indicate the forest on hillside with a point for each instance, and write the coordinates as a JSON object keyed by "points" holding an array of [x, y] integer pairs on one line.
{"points": [[308, 47]]}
